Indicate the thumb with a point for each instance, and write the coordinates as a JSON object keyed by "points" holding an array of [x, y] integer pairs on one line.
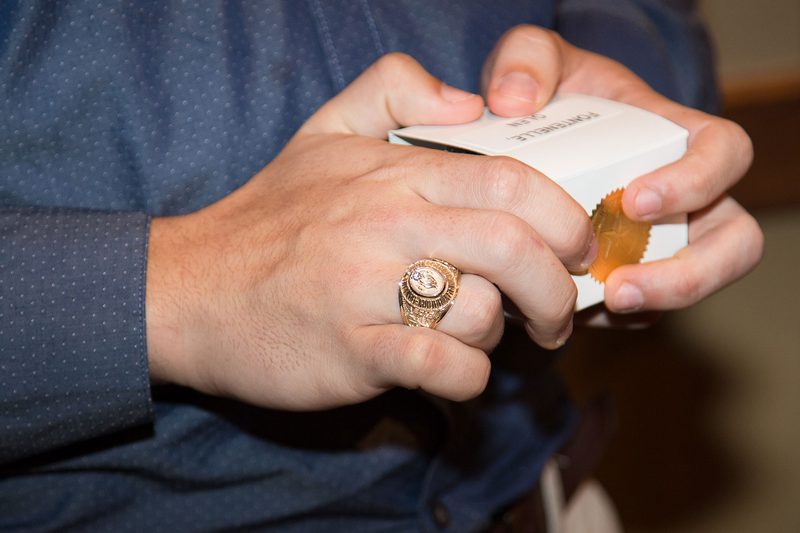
{"points": [[523, 71], [395, 91]]}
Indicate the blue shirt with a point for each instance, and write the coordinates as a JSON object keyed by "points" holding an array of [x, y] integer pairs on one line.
{"points": [[112, 112]]}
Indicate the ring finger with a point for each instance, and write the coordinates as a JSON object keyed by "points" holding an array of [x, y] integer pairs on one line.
{"points": [[476, 317], [496, 246]]}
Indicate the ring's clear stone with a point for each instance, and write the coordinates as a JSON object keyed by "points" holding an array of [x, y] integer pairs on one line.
{"points": [[426, 281]]}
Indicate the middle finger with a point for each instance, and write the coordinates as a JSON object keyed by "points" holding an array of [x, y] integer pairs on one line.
{"points": [[502, 183]]}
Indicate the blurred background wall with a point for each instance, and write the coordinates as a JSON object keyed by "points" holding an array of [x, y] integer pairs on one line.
{"points": [[758, 43], [708, 399]]}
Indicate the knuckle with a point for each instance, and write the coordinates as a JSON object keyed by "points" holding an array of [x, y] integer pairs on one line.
{"points": [[394, 65], [578, 240], [428, 361], [478, 379], [753, 239], [739, 148], [688, 289], [758, 240], [566, 304], [505, 182], [508, 240], [423, 356], [699, 185], [545, 327], [741, 140], [502, 165], [480, 307], [527, 33]]}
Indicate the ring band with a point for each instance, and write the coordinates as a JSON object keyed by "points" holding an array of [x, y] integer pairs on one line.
{"points": [[427, 291]]}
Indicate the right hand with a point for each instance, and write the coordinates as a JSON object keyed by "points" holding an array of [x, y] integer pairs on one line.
{"points": [[284, 293], [531, 64]]}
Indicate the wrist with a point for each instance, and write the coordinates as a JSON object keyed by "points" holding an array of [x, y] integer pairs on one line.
{"points": [[166, 303]]}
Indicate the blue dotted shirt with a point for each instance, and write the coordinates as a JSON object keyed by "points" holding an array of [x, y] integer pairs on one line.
{"points": [[112, 112]]}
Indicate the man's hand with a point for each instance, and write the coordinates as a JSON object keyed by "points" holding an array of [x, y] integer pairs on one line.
{"points": [[530, 64], [284, 294]]}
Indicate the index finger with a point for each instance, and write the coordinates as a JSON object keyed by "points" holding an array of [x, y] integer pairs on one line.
{"points": [[718, 152], [394, 91], [718, 155]]}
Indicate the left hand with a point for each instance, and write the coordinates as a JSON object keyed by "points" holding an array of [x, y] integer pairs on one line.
{"points": [[530, 64]]}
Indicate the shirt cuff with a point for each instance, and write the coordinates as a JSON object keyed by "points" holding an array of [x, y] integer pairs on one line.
{"points": [[73, 353]]}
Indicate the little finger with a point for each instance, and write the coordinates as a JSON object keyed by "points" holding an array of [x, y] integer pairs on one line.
{"points": [[421, 358], [718, 155], [720, 255]]}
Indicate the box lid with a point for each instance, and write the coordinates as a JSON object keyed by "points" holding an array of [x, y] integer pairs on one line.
{"points": [[601, 132]]}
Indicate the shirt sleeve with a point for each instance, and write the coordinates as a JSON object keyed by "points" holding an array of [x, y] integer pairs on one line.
{"points": [[663, 41], [73, 361]]}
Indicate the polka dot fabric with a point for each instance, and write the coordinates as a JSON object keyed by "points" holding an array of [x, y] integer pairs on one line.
{"points": [[156, 109], [72, 356], [113, 112]]}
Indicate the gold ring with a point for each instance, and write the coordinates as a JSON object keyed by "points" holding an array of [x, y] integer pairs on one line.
{"points": [[427, 291]]}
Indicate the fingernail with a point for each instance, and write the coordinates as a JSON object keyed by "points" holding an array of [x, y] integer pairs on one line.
{"points": [[518, 85], [647, 203], [454, 95], [564, 336], [591, 254], [628, 298]]}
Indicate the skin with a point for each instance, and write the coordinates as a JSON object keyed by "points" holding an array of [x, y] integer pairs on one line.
{"points": [[725, 242], [284, 293]]}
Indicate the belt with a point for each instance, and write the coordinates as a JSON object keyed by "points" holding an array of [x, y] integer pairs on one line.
{"points": [[571, 465]]}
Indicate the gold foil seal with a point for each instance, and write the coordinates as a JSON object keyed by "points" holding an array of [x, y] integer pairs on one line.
{"points": [[621, 241]]}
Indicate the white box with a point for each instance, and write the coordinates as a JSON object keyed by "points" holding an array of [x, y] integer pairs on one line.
{"points": [[588, 145]]}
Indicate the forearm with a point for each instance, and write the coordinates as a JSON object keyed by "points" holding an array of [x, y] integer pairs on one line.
{"points": [[72, 336]]}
